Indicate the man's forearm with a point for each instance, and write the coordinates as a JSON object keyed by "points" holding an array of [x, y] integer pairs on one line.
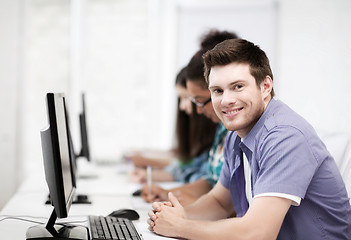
{"points": [[214, 205], [197, 209], [262, 221], [232, 228]]}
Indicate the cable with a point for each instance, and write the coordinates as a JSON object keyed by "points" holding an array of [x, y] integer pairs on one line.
{"points": [[21, 218], [24, 218], [64, 224]]}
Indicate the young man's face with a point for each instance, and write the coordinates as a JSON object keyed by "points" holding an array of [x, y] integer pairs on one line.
{"points": [[201, 95], [237, 100]]}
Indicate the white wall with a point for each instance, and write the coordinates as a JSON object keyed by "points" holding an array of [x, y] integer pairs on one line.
{"points": [[10, 65], [254, 20], [46, 69], [125, 54], [314, 57]]}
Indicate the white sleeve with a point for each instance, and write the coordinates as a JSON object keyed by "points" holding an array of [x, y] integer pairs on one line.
{"points": [[295, 199]]}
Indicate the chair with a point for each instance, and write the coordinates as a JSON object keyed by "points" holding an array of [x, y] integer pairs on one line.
{"points": [[345, 170], [339, 146]]}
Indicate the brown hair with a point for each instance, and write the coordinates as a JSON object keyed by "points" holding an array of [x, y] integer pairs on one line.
{"points": [[239, 51]]}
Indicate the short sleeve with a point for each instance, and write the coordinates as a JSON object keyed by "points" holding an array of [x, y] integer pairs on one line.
{"points": [[286, 163]]}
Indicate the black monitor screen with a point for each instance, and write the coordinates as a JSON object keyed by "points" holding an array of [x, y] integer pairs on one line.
{"points": [[64, 147], [85, 151], [59, 176], [56, 155]]}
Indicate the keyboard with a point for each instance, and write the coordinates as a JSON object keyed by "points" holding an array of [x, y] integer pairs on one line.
{"points": [[112, 228]]}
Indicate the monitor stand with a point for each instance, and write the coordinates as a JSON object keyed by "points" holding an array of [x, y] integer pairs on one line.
{"points": [[78, 199], [81, 199], [52, 231]]}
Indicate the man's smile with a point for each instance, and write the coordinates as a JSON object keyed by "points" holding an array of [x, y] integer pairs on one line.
{"points": [[231, 112]]}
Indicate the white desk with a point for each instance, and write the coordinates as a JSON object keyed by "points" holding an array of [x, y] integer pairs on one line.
{"points": [[109, 190]]}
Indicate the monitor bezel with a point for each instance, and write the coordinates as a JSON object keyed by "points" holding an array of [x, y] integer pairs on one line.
{"points": [[84, 136], [53, 163]]}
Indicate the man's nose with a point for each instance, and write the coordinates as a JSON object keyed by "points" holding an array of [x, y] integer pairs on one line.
{"points": [[228, 97]]}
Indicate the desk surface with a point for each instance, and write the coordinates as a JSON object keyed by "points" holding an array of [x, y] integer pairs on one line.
{"points": [[107, 187]]}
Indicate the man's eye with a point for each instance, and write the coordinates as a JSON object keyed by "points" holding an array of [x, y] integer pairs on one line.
{"points": [[238, 87], [218, 91]]}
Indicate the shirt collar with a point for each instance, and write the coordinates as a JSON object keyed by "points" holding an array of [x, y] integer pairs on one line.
{"points": [[249, 140]]}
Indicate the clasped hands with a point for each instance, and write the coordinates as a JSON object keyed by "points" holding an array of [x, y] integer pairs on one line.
{"points": [[166, 217]]}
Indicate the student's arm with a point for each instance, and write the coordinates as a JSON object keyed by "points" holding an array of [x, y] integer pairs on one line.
{"points": [[156, 159], [187, 193], [139, 175], [262, 221], [214, 205], [218, 200], [162, 176], [195, 189]]}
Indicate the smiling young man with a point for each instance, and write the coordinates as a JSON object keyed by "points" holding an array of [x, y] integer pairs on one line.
{"points": [[277, 177]]}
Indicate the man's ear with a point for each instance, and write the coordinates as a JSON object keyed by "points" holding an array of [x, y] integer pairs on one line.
{"points": [[266, 87]]}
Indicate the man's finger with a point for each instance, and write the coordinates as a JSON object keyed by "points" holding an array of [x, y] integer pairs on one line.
{"points": [[173, 200]]}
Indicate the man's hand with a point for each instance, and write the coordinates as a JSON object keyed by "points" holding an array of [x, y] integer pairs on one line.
{"points": [[155, 195], [156, 207], [166, 217]]}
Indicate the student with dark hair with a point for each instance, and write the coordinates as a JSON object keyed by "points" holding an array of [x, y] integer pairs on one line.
{"points": [[194, 136], [191, 128], [277, 178]]}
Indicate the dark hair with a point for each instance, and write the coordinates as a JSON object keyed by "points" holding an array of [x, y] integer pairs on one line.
{"points": [[194, 133], [239, 51], [213, 37], [195, 68], [181, 77]]}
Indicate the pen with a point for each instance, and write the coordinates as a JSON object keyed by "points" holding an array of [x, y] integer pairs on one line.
{"points": [[149, 178]]}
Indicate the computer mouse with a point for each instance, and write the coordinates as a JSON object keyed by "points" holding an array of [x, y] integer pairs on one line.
{"points": [[125, 213], [137, 193]]}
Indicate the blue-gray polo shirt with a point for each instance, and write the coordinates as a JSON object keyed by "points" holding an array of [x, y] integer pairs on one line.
{"points": [[286, 156]]}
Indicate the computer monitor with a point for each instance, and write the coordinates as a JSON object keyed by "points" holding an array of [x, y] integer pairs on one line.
{"points": [[57, 156], [85, 151], [79, 198]]}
